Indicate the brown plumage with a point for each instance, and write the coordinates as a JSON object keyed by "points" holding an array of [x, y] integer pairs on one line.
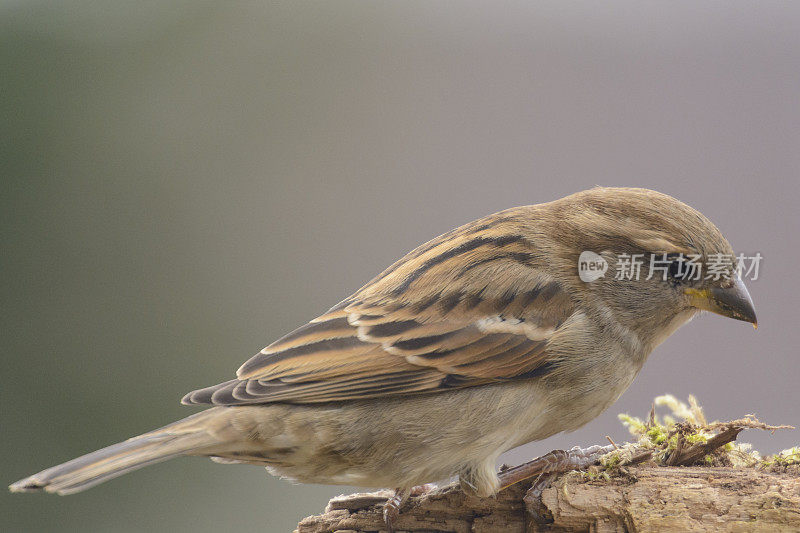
{"points": [[475, 342]]}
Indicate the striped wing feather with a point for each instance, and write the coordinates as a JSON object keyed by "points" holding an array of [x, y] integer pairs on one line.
{"points": [[468, 308]]}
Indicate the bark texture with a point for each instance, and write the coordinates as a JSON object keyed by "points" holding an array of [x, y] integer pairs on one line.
{"points": [[642, 498]]}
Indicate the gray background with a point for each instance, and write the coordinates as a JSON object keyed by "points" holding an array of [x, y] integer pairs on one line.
{"points": [[183, 182]]}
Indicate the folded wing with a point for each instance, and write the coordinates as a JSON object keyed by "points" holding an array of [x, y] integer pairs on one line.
{"points": [[461, 311]]}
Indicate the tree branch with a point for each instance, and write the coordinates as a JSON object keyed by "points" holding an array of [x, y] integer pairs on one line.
{"points": [[642, 498]]}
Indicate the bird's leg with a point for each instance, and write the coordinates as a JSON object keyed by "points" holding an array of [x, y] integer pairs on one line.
{"points": [[419, 490], [557, 461], [533, 499], [546, 467], [391, 509]]}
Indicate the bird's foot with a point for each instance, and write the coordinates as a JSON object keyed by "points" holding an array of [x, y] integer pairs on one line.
{"points": [[391, 509], [533, 499], [419, 490], [545, 469], [557, 462]]}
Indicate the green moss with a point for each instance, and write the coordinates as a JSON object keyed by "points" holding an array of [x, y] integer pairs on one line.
{"points": [[657, 434], [634, 424], [686, 421], [672, 443], [784, 458], [696, 438], [611, 460]]}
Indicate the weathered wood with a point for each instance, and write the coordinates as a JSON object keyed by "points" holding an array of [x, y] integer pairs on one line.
{"points": [[642, 498]]}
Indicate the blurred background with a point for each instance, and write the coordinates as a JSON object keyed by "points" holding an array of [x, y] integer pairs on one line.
{"points": [[185, 181]]}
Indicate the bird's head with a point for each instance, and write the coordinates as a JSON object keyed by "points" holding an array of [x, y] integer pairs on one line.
{"points": [[663, 260]]}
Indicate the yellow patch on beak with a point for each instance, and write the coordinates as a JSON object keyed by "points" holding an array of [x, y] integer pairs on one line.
{"points": [[732, 301]]}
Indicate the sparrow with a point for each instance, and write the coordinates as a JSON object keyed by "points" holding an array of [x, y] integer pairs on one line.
{"points": [[476, 342]]}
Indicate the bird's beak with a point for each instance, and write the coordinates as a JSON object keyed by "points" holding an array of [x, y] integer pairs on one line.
{"points": [[729, 299]]}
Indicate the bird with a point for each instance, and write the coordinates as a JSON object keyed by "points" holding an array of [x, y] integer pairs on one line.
{"points": [[476, 342]]}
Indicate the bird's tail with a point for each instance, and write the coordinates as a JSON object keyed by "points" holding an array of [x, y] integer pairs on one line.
{"points": [[190, 436]]}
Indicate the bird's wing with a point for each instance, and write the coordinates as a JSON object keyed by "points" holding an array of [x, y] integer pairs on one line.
{"points": [[468, 308]]}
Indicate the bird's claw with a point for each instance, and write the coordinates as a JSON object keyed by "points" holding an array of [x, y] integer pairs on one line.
{"points": [[533, 500], [391, 509], [545, 469]]}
